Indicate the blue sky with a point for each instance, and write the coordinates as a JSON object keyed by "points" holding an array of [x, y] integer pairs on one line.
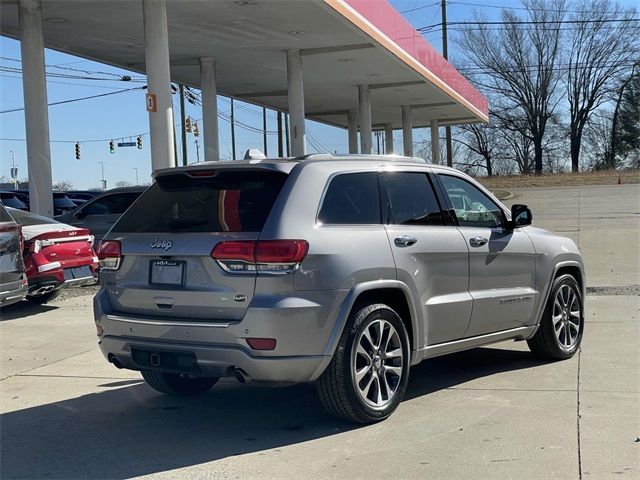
{"points": [[124, 115]]}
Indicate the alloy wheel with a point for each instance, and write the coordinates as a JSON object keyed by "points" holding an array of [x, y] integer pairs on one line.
{"points": [[377, 363], [566, 317]]}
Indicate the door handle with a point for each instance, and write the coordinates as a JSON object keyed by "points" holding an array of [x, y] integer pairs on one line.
{"points": [[478, 241], [405, 241]]}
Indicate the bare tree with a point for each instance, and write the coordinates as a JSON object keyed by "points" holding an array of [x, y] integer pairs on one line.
{"points": [[478, 140], [625, 125], [602, 46], [63, 185], [597, 139], [518, 64]]}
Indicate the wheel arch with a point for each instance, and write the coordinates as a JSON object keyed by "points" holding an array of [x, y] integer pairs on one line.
{"points": [[573, 267], [391, 292]]}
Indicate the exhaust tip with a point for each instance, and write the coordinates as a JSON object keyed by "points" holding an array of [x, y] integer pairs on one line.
{"points": [[115, 361], [241, 376]]}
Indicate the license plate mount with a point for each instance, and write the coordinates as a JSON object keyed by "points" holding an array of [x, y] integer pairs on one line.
{"points": [[166, 272], [74, 273]]}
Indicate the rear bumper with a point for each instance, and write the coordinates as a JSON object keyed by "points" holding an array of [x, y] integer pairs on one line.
{"points": [[13, 292], [301, 327], [215, 360]]}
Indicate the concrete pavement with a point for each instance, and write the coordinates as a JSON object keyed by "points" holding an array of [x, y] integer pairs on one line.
{"points": [[604, 221], [493, 412]]}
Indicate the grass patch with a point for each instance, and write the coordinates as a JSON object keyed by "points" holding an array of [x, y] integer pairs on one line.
{"points": [[608, 177]]}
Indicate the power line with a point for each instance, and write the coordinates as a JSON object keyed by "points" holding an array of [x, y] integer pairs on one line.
{"points": [[530, 22], [117, 76], [502, 7], [565, 68], [77, 99], [66, 83], [419, 8]]}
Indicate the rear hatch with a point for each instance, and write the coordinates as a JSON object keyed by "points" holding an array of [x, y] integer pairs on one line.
{"points": [[167, 236]]}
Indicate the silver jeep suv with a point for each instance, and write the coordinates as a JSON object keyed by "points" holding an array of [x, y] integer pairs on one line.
{"points": [[343, 271]]}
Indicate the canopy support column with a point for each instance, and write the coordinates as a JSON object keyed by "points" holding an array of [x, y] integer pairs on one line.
{"points": [[36, 113], [352, 119], [159, 104], [407, 131], [364, 111], [435, 142], [388, 139], [295, 87], [209, 109]]}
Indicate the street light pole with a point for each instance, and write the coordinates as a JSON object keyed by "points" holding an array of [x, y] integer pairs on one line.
{"points": [[104, 182], [14, 172], [137, 183]]}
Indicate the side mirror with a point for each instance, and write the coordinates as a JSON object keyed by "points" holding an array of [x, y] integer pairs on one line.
{"points": [[521, 216]]}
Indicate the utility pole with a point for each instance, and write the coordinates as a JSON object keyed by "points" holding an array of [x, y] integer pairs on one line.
{"points": [[184, 127], [280, 149], [233, 133], [264, 131], [137, 182], [445, 54], [104, 182], [197, 151]]}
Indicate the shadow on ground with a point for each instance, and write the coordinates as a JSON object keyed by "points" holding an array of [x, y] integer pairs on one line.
{"points": [[129, 430], [23, 309]]}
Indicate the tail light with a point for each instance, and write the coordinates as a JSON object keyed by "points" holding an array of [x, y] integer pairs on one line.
{"points": [[109, 254], [262, 256]]}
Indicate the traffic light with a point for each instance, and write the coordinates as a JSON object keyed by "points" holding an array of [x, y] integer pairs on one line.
{"points": [[139, 142], [77, 150], [188, 126], [112, 147], [196, 130]]}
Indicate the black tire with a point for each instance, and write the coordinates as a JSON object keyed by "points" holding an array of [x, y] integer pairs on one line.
{"points": [[42, 299], [176, 384], [337, 385], [545, 343]]}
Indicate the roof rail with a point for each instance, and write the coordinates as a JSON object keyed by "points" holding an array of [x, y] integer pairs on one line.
{"points": [[315, 156]]}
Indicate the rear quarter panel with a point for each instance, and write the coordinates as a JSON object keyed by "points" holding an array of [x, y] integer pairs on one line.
{"points": [[340, 256]]}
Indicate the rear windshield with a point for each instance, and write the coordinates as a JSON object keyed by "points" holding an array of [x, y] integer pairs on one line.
{"points": [[237, 201], [11, 200], [27, 219]]}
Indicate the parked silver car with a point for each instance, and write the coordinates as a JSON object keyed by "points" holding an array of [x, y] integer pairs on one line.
{"points": [[99, 213], [13, 279], [343, 271]]}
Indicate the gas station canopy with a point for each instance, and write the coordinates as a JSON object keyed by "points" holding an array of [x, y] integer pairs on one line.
{"points": [[342, 43]]}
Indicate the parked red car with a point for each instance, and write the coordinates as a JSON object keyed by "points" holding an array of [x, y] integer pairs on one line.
{"points": [[56, 255]]}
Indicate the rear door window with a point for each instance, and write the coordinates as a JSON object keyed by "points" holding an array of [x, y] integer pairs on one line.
{"points": [[231, 201], [412, 200], [351, 199]]}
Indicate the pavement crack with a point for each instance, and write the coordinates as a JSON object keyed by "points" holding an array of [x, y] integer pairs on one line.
{"points": [[46, 364], [578, 416]]}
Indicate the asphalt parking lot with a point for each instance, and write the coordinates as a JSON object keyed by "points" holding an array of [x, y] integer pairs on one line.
{"points": [[493, 412]]}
